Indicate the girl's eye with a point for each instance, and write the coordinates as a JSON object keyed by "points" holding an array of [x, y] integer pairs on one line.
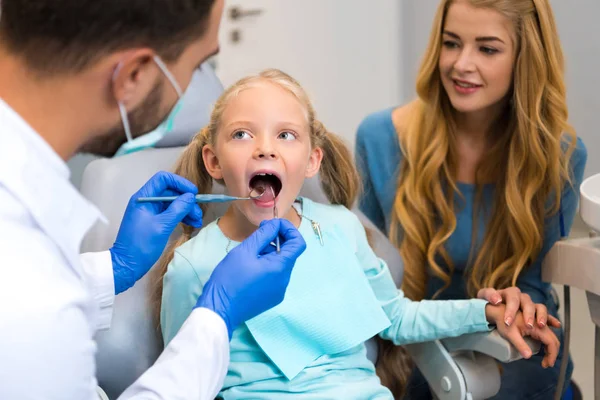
{"points": [[287, 136], [240, 135]]}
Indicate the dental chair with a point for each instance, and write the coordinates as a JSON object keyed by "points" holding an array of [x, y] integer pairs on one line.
{"points": [[576, 263], [462, 368]]}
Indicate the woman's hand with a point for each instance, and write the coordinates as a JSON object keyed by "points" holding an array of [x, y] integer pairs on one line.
{"points": [[515, 300], [519, 329]]}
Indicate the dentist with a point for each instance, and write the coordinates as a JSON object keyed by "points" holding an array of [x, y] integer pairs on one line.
{"points": [[83, 75]]}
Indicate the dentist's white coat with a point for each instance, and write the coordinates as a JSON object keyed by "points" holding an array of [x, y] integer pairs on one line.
{"points": [[53, 300]]}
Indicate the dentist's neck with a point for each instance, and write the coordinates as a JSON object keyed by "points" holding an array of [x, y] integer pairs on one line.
{"points": [[56, 107]]}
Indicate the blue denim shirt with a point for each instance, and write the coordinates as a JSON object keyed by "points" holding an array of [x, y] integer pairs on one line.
{"points": [[379, 159]]}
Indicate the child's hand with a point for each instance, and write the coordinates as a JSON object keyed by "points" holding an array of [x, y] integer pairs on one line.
{"points": [[519, 329]]}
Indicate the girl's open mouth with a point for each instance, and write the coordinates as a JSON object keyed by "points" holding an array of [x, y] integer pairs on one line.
{"points": [[268, 183]]}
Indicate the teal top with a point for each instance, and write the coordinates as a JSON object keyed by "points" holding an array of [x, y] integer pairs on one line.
{"points": [[379, 160], [345, 374]]}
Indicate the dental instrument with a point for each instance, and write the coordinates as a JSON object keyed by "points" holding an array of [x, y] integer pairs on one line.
{"points": [[205, 198], [275, 216]]}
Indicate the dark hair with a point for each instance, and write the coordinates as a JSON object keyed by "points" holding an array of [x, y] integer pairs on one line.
{"points": [[55, 36]]}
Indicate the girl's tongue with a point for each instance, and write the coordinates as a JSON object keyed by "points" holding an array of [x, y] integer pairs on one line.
{"points": [[267, 190], [269, 185]]}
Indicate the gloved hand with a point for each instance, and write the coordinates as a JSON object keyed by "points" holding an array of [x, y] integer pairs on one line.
{"points": [[146, 227], [253, 278]]}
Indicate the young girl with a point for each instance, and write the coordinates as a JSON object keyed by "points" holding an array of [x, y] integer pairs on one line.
{"points": [[263, 133], [478, 178]]}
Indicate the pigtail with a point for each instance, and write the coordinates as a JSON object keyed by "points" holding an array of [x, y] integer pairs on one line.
{"points": [[394, 367], [190, 166], [339, 178]]}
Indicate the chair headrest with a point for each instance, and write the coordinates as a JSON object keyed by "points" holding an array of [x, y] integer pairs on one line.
{"points": [[198, 100]]}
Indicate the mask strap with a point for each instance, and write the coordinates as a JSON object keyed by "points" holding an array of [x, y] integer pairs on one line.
{"points": [[168, 74], [122, 109], [125, 120]]}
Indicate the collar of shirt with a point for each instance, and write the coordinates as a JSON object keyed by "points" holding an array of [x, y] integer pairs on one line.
{"points": [[32, 172]]}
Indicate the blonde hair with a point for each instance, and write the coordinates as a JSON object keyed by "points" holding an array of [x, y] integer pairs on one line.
{"points": [[531, 151], [339, 178]]}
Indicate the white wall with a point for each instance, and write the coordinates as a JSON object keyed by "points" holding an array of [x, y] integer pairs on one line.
{"points": [[417, 17], [345, 53], [580, 35]]}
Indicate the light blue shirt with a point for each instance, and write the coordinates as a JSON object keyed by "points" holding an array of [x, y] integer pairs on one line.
{"points": [[379, 159], [345, 375]]}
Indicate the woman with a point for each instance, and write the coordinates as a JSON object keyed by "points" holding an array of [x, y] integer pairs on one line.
{"points": [[476, 179]]}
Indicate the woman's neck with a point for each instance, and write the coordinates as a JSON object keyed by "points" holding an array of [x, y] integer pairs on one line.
{"points": [[476, 134], [236, 226], [479, 127]]}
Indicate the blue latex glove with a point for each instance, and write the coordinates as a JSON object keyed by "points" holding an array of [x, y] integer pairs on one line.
{"points": [[253, 278], [146, 227]]}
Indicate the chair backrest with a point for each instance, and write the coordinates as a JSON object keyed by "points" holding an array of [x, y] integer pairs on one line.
{"points": [[132, 344], [197, 103]]}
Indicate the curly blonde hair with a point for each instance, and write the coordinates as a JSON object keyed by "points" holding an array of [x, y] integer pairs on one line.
{"points": [[533, 153]]}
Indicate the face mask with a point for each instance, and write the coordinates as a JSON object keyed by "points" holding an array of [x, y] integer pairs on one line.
{"points": [[150, 139]]}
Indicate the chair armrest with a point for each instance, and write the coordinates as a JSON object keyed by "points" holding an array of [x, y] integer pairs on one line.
{"points": [[490, 344], [442, 374], [465, 367], [101, 394]]}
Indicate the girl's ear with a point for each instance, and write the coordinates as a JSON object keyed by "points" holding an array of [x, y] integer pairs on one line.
{"points": [[314, 162], [211, 162]]}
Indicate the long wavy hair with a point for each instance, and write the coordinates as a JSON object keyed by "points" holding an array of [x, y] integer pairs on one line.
{"points": [[529, 161]]}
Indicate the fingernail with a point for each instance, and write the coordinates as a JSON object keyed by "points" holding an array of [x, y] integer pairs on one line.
{"points": [[497, 301], [542, 324], [508, 321], [530, 323], [527, 353]]}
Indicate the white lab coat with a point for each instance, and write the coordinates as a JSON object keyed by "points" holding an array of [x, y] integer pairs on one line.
{"points": [[53, 300]]}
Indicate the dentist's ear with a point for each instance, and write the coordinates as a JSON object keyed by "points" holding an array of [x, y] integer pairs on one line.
{"points": [[134, 77], [314, 162], [211, 162]]}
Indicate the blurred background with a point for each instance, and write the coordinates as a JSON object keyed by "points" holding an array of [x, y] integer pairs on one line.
{"points": [[358, 56]]}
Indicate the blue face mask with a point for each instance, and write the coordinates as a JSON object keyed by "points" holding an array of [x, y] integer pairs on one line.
{"points": [[151, 138]]}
